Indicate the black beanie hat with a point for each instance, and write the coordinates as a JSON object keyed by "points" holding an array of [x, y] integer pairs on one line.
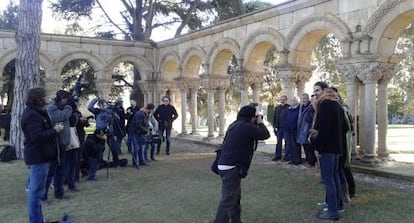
{"points": [[150, 106], [247, 111], [61, 94]]}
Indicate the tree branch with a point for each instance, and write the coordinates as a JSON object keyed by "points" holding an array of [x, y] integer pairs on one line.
{"points": [[109, 18]]}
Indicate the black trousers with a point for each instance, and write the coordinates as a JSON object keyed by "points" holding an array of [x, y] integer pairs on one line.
{"points": [[229, 207]]}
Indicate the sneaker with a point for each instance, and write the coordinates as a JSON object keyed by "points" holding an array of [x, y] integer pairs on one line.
{"points": [[325, 215], [322, 204], [340, 210]]}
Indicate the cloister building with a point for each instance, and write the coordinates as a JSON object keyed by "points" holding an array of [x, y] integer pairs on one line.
{"points": [[367, 30]]}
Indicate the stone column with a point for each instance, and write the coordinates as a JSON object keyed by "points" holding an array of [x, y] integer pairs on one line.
{"points": [[210, 109], [370, 73], [382, 112], [222, 105], [52, 86], [194, 118], [361, 118], [287, 82], [103, 86], [183, 92], [348, 76], [243, 97], [302, 76]]}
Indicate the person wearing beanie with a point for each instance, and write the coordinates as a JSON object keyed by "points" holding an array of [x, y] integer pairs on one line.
{"points": [[138, 131], [59, 112], [236, 155]]}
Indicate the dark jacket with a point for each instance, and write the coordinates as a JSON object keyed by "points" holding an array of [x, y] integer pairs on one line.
{"points": [[40, 138], [280, 116], [93, 146], [139, 124], [165, 115], [129, 115], [331, 127], [239, 144], [292, 119], [119, 123]]}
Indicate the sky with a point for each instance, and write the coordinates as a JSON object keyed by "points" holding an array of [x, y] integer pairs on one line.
{"points": [[49, 25]]}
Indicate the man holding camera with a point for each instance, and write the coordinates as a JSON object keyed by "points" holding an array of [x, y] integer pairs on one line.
{"points": [[138, 130], [233, 164], [60, 111], [105, 119]]}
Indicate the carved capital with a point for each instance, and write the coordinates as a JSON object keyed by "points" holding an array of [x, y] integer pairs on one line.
{"points": [[216, 82], [371, 72], [348, 72], [164, 86]]}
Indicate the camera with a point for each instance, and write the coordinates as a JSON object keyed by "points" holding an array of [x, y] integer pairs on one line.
{"points": [[76, 91]]}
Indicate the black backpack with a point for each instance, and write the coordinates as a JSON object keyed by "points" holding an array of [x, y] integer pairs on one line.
{"points": [[8, 153]]}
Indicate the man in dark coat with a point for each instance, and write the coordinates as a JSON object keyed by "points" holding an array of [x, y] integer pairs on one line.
{"points": [[279, 126], [234, 162], [165, 114], [327, 139], [40, 148]]}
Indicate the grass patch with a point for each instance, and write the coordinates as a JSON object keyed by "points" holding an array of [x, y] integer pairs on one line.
{"points": [[180, 188]]}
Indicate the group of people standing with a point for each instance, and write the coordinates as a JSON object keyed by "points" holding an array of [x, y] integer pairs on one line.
{"points": [[55, 145], [322, 126]]}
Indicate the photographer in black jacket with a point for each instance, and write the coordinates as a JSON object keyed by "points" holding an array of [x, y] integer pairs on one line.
{"points": [[236, 154]]}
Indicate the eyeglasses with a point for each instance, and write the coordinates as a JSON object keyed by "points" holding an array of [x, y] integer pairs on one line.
{"points": [[165, 100]]}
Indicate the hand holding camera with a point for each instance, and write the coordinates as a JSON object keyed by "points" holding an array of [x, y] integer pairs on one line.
{"points": [[58, 127]]}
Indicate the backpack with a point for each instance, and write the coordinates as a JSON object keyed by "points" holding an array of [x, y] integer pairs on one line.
{"points": [[8, 153]]}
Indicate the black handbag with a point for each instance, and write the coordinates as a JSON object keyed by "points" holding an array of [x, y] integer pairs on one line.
{"points": [[214, 165]]}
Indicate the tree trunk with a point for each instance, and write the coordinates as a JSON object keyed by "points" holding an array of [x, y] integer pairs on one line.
{"points": [[27, 64]]}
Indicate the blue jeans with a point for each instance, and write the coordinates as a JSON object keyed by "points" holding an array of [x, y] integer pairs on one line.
{"points": [[330, 176], [70, 167], [56, 172], [138, 142], [229, 207], [37, 185], [167, 139], [281, 134]]}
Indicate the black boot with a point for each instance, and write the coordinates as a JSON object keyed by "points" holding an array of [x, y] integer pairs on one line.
{"points": [[167, 150]]}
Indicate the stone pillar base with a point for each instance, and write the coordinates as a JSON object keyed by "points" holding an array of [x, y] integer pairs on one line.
{"points": [[182, 134], [370, 160], [209, 139], [195, 133]]}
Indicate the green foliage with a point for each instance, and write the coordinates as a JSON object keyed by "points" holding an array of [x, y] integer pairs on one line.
{"points": [[403, 79], [227, 9], [255, 5], [72, 9], [395, 101], [9, 17], [324, 56], [71, 72]]}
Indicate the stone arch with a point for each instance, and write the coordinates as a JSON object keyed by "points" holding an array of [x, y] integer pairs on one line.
{"points": [[305, 34], [169, 66], [45, 61], [192, 59], [221, 54], [96, 62], [257, 46], [144, 67], [387, 24]]}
